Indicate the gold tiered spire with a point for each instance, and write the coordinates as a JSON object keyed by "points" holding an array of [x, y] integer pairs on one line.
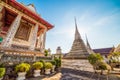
{"points": [[78, 49]]}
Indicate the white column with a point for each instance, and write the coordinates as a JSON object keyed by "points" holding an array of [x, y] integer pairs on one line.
{"points": [[1, 14], [43, 40], [39, 40], [1, 9], [12, 31], [33, 37]]}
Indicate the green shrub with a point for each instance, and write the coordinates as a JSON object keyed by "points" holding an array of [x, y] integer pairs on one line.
{"points": [[37, 65], [43, 62], [101, 65], [2, 65], [58, 62], [46, 52], [94, 58], [23, 67], [53, 62], [48, 65], [2, 72]]}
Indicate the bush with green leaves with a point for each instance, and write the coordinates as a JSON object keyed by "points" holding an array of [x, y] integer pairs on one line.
{"points": [[101, 65], [37, 65], [53, 62], [58, 62], [2, 72], [46, 52], [23, 67], [48, 65], [43, 62], [94, 58], [2, 65]]}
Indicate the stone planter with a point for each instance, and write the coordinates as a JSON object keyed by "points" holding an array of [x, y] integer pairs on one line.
{"points": [[36, 73], [21, 75], [53, 69], [47, 71]]}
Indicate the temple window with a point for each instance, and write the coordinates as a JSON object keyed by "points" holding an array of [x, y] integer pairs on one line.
{"points": [[23, 31]]}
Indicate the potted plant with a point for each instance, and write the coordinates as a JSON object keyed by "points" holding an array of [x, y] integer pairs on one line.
{"points": [[37, 66], [48, 67], [2, 72], [58, 63], [53, 63], [22, 69], [43, 68]]}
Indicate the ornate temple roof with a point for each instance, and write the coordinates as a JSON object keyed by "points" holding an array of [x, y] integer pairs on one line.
{"points": [[104, 51], [29, 11]]}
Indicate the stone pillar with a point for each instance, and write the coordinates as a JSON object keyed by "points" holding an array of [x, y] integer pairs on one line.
{"points": [[11, 33], [39, 40], [33, 37], [1, 8], [1, 14], [43, 40]]}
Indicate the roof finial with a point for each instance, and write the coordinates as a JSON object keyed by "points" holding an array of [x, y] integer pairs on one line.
{"points": [[77, 34], [76, 24]]}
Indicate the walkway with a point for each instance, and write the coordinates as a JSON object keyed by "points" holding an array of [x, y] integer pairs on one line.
{"points": [[70, 74]]}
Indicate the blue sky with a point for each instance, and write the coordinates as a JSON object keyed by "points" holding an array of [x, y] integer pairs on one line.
{"points": [[99, 19]]}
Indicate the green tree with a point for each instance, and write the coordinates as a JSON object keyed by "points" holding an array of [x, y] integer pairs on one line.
{"points": [[46, 52], [94, 59]]}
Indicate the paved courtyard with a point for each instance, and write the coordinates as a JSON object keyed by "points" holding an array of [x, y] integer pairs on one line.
{"points": [[70, 74]]}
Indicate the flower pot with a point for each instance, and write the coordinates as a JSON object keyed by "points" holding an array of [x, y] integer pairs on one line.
{"points": [[21, 75], [36, 73], [47, 71], [53, 69]]}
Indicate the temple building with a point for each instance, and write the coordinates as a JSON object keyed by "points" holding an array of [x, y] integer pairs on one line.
{"points": [[105, 52], [22, 30], [77, 57], [58, 53], [78, 50]]}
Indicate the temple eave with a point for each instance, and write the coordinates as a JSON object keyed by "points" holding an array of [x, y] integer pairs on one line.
{"points": [[21, 52]]}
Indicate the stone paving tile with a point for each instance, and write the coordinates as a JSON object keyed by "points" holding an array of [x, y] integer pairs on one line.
{"points": [[68, 74]]}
